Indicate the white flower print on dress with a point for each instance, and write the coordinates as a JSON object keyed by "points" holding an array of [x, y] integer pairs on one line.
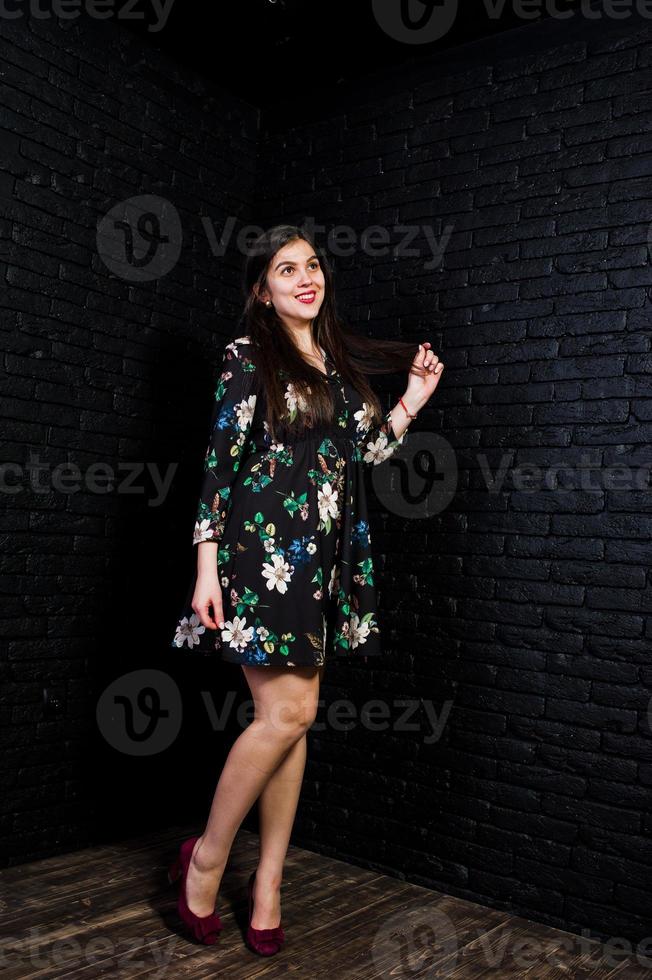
{"points": [[378, 451], [245, 412], [379, 447], [358, 632], [204, 531], [364, 417], [327, 502], [332, 583], [258, 495], [278, 574], [295, 399], [188, 631], [235, 633]]}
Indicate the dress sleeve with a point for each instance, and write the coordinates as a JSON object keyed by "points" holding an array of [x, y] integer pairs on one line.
{"points": [[231, 420], [375, 443]]}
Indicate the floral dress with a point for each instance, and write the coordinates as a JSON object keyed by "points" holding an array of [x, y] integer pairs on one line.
{"points": [[294, 551]]}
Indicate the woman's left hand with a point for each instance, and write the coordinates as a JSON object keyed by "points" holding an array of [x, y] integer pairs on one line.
{"points": [[420, 389]]}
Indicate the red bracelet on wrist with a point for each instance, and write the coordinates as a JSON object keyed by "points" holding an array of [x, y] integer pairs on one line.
{"points": [[406, 411]]}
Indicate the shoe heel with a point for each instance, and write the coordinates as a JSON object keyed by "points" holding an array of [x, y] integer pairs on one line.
{"points": [[202, 928], [265, 942]]}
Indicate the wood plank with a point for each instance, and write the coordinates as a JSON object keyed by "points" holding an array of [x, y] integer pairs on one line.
{"points": [[109, 911]]}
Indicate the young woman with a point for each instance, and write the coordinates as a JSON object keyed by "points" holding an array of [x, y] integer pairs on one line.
{"points": [[284, 577]]}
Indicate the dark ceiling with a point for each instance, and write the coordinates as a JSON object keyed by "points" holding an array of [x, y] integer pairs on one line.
{"points": [[275, 51]]}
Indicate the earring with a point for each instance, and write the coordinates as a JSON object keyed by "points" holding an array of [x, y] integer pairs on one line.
{"points": [[268, 303]]}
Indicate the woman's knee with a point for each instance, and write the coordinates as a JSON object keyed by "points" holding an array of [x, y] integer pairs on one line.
{"points": [[288, 719], [288, 705]]}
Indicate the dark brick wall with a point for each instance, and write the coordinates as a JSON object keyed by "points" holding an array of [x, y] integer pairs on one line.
{"points": [[520, 617], [525, 613], [100, 369]]}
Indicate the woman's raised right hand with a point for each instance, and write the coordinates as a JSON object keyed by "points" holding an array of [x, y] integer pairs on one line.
{"points": [[207, 596]]}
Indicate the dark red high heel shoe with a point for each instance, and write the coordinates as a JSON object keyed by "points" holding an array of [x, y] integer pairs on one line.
{"points": [[266, 942], [204, 928]]}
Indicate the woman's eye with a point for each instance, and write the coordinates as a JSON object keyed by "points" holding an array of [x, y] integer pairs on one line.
{"points": [[288, 268]]}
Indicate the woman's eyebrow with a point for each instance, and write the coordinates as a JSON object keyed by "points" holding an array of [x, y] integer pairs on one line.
{"points": [[291, 262]]}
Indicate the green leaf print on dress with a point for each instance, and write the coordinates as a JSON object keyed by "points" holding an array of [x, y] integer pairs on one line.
{"points": [[231, 421], [276, 455], [291, 520]]}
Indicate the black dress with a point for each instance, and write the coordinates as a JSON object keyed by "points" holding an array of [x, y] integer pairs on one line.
{"points": [[294, 558]]}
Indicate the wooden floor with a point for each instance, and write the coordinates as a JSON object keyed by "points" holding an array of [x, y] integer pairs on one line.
{"points": [[109, 912]]}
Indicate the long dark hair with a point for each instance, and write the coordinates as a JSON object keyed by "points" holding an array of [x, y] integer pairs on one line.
{"points": [[277, 358]]}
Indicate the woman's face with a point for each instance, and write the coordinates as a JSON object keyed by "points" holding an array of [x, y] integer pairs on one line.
{"points": [[295, 283]]}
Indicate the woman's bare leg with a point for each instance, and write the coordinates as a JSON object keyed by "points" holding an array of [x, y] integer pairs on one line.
{"points": [[286, 701], [277, 807]]}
